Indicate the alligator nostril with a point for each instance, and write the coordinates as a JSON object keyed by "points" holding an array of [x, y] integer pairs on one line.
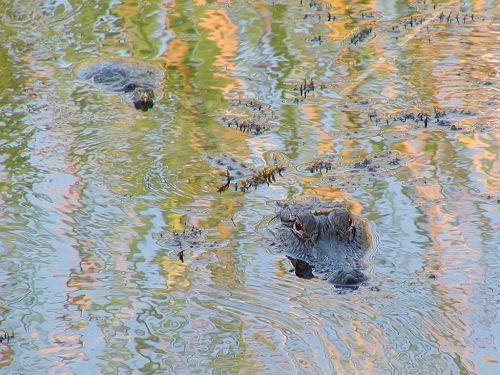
{"points": [[347, 278]]}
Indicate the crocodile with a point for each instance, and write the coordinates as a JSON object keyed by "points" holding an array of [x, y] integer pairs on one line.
{"points": [[141, 81], [322, 239]]}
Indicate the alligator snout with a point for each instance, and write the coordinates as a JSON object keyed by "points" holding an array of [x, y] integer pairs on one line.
{"points": [[343, 278], [143, 98], [347, 277]]}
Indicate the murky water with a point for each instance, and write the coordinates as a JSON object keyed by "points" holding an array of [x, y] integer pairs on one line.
{"points": [[92, 189]]}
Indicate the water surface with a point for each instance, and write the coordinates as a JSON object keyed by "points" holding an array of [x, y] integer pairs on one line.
{"points": [[91, 189]]}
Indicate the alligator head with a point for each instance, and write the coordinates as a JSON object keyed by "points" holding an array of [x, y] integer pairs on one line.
{"points": [[142, 96], [323, 240]]}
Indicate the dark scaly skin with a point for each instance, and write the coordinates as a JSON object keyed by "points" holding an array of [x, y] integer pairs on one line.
{"points": [[322, 239]]}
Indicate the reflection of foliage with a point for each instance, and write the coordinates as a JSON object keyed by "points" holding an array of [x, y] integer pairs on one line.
{"points": [[165, 309]]}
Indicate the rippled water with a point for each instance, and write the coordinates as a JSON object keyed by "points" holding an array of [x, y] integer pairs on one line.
{"points": [[91, 189]]}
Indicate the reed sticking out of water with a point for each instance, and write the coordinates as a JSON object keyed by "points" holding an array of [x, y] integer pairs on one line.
{"points": [[305, 88], [226, 185]]}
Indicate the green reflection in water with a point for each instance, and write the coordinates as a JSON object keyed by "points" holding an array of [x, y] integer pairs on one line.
{"points": [[86, 181]]}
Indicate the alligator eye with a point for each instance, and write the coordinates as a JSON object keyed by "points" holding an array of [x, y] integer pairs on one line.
{"points": [[299, 229]]}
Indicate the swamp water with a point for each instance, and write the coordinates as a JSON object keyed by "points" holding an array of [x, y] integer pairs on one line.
{"points": [[390, 106]]}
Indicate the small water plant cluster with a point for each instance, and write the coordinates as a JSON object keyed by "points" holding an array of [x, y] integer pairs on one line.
{"points": [[314, 5], [6, 337], [253, 105], [187, 239], [243, 177], [266, 175], [319, 165], [361, 35], [368, 15], [403, 117], [318, 39], [425, 118], [450, 18], [408, 23], [372, 163], [317, 11], [246, 126], [443, 18], [328, 17], [190, 239], [247, 115], [305, 88]]}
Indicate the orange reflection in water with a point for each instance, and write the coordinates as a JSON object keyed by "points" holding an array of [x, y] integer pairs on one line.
{"points": [[325, 142], [5, 355], [222, 31], [174, 56], [485, 162], [444, 223]]}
